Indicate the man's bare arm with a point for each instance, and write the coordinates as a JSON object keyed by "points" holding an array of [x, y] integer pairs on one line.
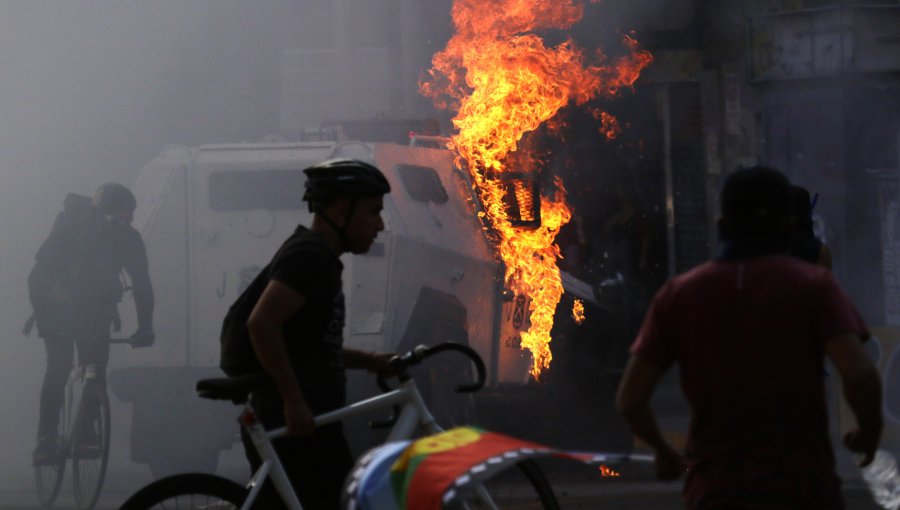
{"points": [[633, 401], [371, 361], [862, 389], [276, 305]]}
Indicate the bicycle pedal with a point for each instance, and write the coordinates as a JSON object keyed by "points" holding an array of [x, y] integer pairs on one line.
{"points": [[46, 454], [88, 451], [46, 459]]}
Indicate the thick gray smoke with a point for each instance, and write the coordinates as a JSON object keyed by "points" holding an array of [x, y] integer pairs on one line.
{"points": [[91, 91]]}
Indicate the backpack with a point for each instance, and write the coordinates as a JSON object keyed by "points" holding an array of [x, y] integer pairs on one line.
{"points": [[76, 221], [237, 356]]}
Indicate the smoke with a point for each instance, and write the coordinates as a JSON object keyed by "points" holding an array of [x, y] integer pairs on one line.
{"points": [[91, 91]]}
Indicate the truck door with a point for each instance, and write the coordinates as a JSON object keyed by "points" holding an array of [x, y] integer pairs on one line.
{"points": [[245, 201]]}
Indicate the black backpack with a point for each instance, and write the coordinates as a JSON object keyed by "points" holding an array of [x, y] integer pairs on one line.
{"points": [[76, 221], [237, 356]]}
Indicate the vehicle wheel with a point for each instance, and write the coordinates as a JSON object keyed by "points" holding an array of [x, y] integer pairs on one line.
{"points": [[191, 491], [520, 486], [48, 476], [90, 445]]}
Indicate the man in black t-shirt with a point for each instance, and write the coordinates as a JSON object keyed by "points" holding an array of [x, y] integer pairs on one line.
{"points": [[292, 317]]}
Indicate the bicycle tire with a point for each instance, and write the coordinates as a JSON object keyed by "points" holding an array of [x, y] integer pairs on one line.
{"points": [[48, 477], [521, 486], [48, 480], [90, 445], [188, 491]]}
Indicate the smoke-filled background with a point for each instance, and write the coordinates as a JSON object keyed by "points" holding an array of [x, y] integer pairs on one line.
{"points": [[90, 91]]}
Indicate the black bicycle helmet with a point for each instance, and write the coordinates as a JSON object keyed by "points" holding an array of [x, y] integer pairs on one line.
{"points": [[342, 178], [112, 197]]}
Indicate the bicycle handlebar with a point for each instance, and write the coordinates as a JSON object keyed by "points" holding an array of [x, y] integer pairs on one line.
{"points": [[401, 363]]}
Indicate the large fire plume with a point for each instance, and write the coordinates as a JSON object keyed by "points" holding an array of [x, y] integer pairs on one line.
{"points": [[503, 82]]}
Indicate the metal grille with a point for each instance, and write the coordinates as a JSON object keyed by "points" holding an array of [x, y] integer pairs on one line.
{"points": [[688, 177]]}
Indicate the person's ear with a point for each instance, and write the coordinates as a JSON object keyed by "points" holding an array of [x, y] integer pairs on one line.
{"points": [[337, 210], [342, 211]]}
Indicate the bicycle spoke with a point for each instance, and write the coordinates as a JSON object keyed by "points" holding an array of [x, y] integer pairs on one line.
{"points": [[48, 477], [90, 446]]}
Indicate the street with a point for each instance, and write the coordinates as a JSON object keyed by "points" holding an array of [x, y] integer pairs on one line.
{"points": [[578, 487]]}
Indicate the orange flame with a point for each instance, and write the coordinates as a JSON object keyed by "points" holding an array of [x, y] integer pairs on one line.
{"points": [[608, 471], [578, 311], [503, 82]]}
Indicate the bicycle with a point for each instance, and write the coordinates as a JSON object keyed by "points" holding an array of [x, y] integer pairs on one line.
{"points": [[82, 436], [410, 413]]}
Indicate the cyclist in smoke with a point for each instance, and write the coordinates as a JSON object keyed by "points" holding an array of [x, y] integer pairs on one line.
{"points": [[75, 286]]}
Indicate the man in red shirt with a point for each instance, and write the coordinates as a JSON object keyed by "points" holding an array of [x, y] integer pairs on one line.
{"points": [[750, 332]]}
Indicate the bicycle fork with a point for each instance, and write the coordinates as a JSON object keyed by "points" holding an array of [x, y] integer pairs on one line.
{"points": [[67, 418], [270, 466]]}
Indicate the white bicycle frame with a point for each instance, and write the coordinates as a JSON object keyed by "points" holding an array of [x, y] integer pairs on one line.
{"points": [[414, 414], [80, 374]]}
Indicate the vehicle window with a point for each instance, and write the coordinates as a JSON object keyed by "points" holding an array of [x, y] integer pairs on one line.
{"points": [[256, 189], [422, 183]]}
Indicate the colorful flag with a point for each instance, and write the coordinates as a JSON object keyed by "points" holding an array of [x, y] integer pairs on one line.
{"points": [[435, 471]]}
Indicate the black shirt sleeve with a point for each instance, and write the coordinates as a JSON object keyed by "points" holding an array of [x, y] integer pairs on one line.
{"points": [[304, 269]]}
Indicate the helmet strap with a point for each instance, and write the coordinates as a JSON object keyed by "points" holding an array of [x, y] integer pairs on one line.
{"points": [[341, 231]]}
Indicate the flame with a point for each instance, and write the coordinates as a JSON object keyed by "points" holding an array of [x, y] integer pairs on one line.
{"points": [[503, 83], [578, 311], [606, 471]]}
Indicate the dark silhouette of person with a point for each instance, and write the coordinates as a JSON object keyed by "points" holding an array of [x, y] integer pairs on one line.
{"points": [[75, 286], [750, 332], [289, 324], [804, 244]]}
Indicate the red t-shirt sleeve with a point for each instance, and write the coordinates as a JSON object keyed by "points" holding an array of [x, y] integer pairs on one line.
{"points": [[837, 314], [654, 341]]}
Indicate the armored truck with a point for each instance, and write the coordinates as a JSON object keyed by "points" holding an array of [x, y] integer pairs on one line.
{"points": [[212, 216]]}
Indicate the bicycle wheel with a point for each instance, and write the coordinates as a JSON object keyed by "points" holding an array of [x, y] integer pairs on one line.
{"points": [[48, 476], [90, 445], [520, 487], [190, 491]]}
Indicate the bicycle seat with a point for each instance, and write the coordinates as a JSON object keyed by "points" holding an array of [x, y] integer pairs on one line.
{"points": [[235, 389]]}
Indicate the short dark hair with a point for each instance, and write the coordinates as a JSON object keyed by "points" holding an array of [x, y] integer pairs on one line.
{"points": [[756, 201]]}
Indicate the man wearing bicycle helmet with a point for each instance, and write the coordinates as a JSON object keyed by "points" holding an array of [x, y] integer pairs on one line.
{"points": [[289, 322], [75, 287]]}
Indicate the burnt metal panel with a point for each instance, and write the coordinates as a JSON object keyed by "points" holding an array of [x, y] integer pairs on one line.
{"points": [[824, 42]]}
